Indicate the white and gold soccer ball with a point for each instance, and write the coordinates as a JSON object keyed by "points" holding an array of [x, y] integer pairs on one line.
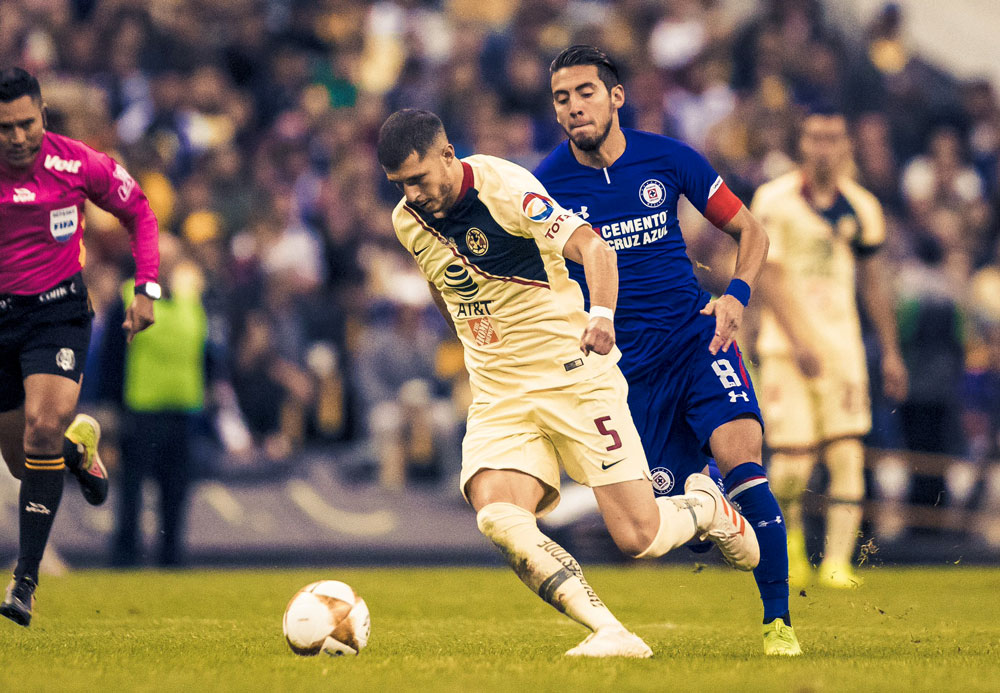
{"points": [[326, 616]]}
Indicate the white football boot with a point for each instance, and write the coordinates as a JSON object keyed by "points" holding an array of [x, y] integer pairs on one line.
{"points": [[728, 530], [611, 641]]}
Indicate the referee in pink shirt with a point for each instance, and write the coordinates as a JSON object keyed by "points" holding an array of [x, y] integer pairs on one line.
{"points": [[45, 315]]}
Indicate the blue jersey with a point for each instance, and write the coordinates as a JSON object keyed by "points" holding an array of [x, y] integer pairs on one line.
{"points": [[633, 205]]}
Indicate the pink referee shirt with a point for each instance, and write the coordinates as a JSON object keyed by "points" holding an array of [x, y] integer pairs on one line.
{"points": [[41, 215]]}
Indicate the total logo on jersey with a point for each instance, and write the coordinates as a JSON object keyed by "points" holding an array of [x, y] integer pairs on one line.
{"points": [[536, 206]]}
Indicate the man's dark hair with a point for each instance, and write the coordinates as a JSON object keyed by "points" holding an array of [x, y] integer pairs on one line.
{"points": [[581, 54], [404, 132], [15, 83]]}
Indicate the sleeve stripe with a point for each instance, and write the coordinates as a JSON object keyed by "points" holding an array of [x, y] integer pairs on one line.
{"points": [[722, 204]]}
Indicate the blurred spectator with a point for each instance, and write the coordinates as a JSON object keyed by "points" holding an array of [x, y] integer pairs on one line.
{"points": [[941, 177], [932, 337], [410, 415], [274, 389]]}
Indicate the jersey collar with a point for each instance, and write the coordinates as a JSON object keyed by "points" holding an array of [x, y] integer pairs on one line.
{"points": [[468, 179]]}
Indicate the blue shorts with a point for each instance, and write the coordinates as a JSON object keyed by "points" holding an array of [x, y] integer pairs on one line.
{"points": [[679, 404]]}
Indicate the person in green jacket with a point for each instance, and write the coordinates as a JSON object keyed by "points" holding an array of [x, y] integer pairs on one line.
{"points": [[163, 390]]}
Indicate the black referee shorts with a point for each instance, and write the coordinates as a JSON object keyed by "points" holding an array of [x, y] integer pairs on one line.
{"points": [[43, 333]]}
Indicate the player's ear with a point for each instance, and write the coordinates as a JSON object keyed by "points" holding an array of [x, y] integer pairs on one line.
{"points": [[448, 153], [618, 95], [45, 116]]}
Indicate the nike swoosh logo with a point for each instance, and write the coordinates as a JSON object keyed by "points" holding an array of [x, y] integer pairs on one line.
{"points": [[604, 465], [417, 252]]}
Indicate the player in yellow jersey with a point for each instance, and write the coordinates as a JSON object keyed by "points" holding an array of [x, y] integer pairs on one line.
{"points": [[825, 233], [547, 390]]}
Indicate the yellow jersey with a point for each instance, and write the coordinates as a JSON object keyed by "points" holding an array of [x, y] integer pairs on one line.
{"points": [[816, 250], [496, 258]]}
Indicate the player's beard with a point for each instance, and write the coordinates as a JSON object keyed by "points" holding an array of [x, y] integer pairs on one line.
{"points": [[590, 144], [439, 202], [824, 172]]}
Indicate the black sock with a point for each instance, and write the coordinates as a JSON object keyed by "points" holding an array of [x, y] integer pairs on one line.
{"points": [[71, 454], [41, 490], [787, 618]]}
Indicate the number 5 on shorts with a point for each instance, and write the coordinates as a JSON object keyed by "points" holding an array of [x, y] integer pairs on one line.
{"points": [[604, 431]]}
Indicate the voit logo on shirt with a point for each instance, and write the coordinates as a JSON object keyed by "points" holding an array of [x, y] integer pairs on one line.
{"points": [[56, 163], [63, 223]]}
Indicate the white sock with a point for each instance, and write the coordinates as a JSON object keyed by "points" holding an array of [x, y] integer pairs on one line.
{"points": [[544, 566], [681, 518]]}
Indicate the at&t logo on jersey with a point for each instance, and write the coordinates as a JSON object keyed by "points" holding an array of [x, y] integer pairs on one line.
{"points": [[458, 278], [63, 223], [663, 479], [55, 163], [652, 193], [536, 207]]}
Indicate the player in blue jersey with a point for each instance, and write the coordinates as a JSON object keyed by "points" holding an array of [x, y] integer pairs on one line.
{"points": [[689, 392]]}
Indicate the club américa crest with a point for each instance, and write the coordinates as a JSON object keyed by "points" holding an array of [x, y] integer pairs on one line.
{"points": [[477, 241]]}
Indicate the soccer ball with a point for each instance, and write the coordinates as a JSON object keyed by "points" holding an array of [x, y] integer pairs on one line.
{"points": [[329, 617]]}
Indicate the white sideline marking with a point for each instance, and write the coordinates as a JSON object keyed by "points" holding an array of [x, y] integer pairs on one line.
{"points": [[223, 502], [101, 519], [343, 521]]}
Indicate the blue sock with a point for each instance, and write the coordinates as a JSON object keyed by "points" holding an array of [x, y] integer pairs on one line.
{"points": [[748, 489], [713, 471]]}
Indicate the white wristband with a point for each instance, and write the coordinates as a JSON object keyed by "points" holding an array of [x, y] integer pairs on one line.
{"points": [[602, 312]]}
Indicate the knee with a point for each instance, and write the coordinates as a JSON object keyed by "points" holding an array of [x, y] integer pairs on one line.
{"points": [[845, 460], [44, 430], [497, 520], [737, 442], [789, 474]]}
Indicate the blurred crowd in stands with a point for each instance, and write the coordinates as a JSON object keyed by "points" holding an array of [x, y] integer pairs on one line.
{"points": [[250, 124]]}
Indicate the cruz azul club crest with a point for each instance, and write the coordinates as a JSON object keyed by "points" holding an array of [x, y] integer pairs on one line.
{"points": [[652, 193], [663, 479]]}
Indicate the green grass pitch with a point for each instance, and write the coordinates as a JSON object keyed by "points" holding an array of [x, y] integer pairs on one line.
{"points": [[468, 629]]}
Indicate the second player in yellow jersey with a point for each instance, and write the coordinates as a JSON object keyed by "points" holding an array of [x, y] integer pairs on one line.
{"points": [[825, 232]]}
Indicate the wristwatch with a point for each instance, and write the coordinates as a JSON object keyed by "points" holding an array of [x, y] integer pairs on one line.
{"points": [[149, 289]]}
